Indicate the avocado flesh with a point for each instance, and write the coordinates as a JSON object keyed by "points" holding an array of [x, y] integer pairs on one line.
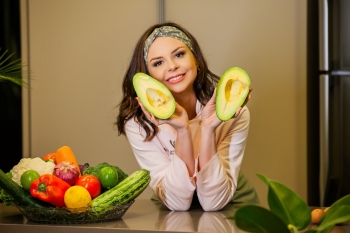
{"points": [[232, 90], [154, 96]]}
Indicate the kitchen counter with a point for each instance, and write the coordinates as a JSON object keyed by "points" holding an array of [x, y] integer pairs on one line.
{"points": [[143, 216]]}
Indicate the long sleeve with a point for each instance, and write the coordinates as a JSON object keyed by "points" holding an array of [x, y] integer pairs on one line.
{"points": [[169, 176], [217, 181]]}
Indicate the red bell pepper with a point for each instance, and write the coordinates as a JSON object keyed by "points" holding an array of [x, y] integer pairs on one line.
{"points": [[49, 188]]}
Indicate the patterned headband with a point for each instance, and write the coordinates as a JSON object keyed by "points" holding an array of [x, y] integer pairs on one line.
{"points": [[166, 31]]}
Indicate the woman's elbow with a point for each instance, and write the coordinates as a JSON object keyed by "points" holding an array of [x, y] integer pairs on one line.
{"points": [[179, 208], [209, 208], [178, 205], [213, 203]]}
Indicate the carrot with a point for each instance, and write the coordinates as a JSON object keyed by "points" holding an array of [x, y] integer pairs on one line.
{"points": [[65, 153]]}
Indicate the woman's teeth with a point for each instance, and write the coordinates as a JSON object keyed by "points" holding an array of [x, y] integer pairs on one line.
{"points": [[175, 78]]}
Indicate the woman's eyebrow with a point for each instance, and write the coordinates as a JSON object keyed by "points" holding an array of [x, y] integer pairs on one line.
{"points": [[174, 51], [155, 58]]}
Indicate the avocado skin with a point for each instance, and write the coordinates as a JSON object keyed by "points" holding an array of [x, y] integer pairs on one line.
{"points": [[236, 81], [154, 96]]}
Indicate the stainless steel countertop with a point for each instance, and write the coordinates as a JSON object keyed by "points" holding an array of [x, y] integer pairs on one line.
{"points": [[143, 216]]}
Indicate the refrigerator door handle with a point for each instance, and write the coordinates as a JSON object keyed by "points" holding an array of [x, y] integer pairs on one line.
{"points": [[323, 34], [324, 134]]}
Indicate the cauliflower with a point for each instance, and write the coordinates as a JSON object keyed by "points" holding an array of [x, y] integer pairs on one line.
{"points": [[36, 164]]}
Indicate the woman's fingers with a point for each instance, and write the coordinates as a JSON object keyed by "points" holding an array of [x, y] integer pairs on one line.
{"points": [[144, 110], [237, 112], [213, 97], [149, 115], [245, 102], [248, 97]]}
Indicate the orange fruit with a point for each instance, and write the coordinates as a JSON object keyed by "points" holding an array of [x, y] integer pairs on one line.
{"points": [[316, 215]]}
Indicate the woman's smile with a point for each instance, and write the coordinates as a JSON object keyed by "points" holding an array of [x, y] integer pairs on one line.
{"points": [[175, 78]]}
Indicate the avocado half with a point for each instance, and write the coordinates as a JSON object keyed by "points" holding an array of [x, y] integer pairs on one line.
{"points": [[154, 96], [231, 92]]}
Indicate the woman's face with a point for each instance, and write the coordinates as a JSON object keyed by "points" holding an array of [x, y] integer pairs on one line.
{"points": [[172, 63]]}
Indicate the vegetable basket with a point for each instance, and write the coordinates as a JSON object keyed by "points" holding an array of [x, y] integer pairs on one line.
{"points": [[58, 215]]}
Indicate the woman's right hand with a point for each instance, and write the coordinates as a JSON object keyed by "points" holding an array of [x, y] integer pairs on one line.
{"points": [[179, 120]]}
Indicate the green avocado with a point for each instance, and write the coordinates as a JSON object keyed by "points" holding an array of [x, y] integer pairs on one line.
{"points": [[154, 96], [231, 92]]}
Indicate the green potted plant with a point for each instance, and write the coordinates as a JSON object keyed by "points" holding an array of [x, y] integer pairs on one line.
{"points": [[11, 70], [288, 213]]}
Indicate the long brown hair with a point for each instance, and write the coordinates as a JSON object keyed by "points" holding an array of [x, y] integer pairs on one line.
{"points": [[203, 85]]}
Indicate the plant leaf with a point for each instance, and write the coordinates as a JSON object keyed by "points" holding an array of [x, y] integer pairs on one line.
{"points": [[253, 218], [12, 71], [334, 216], [326, 230], [286, 204], [263, 178], [342, 201]]}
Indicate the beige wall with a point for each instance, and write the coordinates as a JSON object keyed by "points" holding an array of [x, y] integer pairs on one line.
{"points": [[78, 51]]}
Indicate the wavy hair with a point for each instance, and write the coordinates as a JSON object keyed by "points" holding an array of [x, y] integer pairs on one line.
{"points": [[203, 85]]}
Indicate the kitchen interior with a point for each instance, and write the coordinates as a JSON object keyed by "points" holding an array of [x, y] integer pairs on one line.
{"points": [[76, 53]]}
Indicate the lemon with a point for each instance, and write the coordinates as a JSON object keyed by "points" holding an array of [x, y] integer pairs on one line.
{"points": [[77, 198]]}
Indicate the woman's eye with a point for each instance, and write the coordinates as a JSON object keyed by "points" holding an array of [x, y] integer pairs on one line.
{"points": [[180, 54], [158, 63]]}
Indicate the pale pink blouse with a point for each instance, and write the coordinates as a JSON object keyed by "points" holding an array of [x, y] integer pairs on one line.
{"points": [[215, 183]]}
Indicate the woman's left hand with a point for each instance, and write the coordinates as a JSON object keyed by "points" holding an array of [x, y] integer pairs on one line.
{"points": [[244, 103], [209, 118]]}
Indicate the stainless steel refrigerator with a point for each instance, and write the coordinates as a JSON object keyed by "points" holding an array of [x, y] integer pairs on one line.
{"points": [[328, 100]]}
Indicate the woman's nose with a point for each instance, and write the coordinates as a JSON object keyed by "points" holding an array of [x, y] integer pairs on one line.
{"points": [[173, 65]]}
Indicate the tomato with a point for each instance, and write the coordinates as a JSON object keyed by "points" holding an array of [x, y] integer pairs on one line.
{"points": [[50, 157], [91, 183], [28, 177], [108, 177]]}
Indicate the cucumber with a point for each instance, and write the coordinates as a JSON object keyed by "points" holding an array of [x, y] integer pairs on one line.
{"points": [[21, 196], [125, 191]]}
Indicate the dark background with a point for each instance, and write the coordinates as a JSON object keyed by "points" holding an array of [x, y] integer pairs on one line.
{"points": [[10, 93], [338, 174]]}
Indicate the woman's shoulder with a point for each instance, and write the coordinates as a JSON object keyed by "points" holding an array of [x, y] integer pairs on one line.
{"points": [[131, 123]]}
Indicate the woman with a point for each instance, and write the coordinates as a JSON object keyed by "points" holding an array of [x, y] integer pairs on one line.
{"points": [[192, 156]]}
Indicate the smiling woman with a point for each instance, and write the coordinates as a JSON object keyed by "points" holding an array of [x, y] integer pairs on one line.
{"points": [[10, 92], [193, 156]]}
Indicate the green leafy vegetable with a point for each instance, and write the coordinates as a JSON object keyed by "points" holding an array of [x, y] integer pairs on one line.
{"points": [[5, 197], [94, 170]]}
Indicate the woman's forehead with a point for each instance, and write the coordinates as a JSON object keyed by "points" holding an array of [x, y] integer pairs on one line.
{"points": [[163, 45]]}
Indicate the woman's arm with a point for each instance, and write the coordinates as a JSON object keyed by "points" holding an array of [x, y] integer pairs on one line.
{"points": [[223, 153], [184, 145], [170, 179]]}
